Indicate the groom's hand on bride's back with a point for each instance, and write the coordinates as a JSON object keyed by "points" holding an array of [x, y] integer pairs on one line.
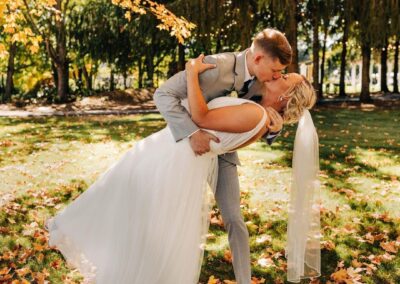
{"points": [[200, 142]]}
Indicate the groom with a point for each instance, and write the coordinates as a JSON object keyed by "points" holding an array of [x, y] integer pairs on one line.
{"points": [[244, 72]]}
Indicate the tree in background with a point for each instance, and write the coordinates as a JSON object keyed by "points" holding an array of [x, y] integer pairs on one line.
{"points": [[284, 15], [49, 22]]}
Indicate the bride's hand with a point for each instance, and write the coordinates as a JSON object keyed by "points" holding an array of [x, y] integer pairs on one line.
{"points": [[197, 66], [276, 121]]}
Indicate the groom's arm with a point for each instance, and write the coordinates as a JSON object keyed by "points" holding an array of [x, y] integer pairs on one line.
{"points": [[169, 95]]}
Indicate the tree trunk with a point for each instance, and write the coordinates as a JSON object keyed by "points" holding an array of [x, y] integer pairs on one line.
{"points": [[150, 69], [79, 81], [272, 17], [366, 59], [88, 78], [55, 75], [315, 21], [218, 46], [112, 85], [342, 84], [245, 24], [62, 63], [140, 67], [323, 60], [181, 57], [396, 67], [291, 34], [10, 72], [125, 75], [62, 82], [384, 87]]}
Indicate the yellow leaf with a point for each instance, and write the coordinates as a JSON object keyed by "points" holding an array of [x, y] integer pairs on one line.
{"points": [[213, 280]]}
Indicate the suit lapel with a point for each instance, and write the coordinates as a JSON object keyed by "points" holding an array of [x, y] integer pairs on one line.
{"points": [[256, 89]]}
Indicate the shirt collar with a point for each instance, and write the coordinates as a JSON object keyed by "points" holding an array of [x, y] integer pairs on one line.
{"points": [[247, 75]]}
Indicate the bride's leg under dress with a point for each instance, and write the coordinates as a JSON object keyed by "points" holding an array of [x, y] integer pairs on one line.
{"points": [[144, 220]]}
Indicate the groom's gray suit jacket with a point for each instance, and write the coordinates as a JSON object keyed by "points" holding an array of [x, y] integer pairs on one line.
{"points": [[216, 82]]}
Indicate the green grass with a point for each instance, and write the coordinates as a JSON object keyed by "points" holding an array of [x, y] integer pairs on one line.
{"points": [[47, 162]]}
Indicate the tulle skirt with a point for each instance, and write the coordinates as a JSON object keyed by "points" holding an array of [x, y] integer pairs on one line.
{"points": [[144, 220]]}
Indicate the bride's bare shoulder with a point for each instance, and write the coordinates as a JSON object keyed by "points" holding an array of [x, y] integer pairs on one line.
{"points": [[235, 118]]}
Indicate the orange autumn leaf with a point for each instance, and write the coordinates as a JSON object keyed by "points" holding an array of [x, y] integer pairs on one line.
{"points": [[5, 270], [255, 280], [23, 271], [389, 246], [340, 275], [228, 256]]}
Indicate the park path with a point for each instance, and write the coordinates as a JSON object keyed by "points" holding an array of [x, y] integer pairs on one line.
{"points": [[103, 106], [86, 106]]}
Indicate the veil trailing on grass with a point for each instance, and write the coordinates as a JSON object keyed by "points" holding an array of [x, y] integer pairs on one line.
{"points": [[302, 250]]}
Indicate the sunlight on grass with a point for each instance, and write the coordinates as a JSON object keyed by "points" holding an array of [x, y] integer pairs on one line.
{"points": [[47, 162]]}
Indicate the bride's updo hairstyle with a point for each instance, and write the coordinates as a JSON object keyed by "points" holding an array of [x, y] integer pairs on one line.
{"points": [[302, 96]]}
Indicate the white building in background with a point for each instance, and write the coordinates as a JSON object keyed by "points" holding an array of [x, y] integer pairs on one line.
{"points": [[352, 78]]}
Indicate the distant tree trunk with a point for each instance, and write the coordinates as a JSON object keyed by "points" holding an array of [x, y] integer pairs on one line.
{"points": [[384, 87], [245, 22], [272, 17], [181, 57], [315, 22], [2, 81], [78, 79], [55, 75], [112, 85], [88, 78], [396, 67], [140, 69], [291, 34], [61, 58], [342, 83], [323, 60], [125, 75], [62, 82], [218, 45], [366, 59], [10, 72], [150, 69]]}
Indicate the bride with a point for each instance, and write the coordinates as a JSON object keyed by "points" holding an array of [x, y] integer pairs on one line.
{"points": [[145, 219]]}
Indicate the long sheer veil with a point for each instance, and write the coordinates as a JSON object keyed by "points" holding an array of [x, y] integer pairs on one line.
{"points": [[302, 250]]}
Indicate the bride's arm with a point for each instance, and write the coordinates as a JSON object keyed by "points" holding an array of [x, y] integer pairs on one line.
{"points": [[236, 119]]}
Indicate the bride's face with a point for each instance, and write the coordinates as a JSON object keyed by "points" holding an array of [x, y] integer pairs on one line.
{"points": [[276, 91]]}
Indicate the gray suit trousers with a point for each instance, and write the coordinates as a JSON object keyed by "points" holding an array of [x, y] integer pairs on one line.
{"points": [[227, 196]]}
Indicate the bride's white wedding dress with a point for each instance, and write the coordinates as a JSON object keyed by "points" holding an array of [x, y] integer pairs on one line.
{"points": [[145, 219]]}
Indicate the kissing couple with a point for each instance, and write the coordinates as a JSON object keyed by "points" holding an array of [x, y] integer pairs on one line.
{"points": [[145, 219]]}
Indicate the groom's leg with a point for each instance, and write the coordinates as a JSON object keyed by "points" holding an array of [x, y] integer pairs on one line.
{"points": [[228, 200]]}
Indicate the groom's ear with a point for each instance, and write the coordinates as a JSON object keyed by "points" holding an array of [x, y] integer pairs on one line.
{"points": [[257, 58]]}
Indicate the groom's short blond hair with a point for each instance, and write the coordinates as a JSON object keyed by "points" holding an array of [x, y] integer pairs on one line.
{"points": [[274, 43]]}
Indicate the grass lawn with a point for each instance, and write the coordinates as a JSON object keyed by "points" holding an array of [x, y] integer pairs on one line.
{"points": [[47, 162]]}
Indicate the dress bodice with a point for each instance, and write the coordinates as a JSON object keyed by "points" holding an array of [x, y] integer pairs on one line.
{"points": [[228, 140]]}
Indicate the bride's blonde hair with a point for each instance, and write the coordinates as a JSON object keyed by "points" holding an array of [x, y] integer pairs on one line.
{"points": [[301, 96]]}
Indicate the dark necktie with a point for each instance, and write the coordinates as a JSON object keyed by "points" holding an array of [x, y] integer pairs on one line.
{"points": [[245, 88]]}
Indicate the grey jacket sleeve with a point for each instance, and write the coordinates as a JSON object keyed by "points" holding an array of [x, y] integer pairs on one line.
{"points": [[270, 137], [169, 95]]}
